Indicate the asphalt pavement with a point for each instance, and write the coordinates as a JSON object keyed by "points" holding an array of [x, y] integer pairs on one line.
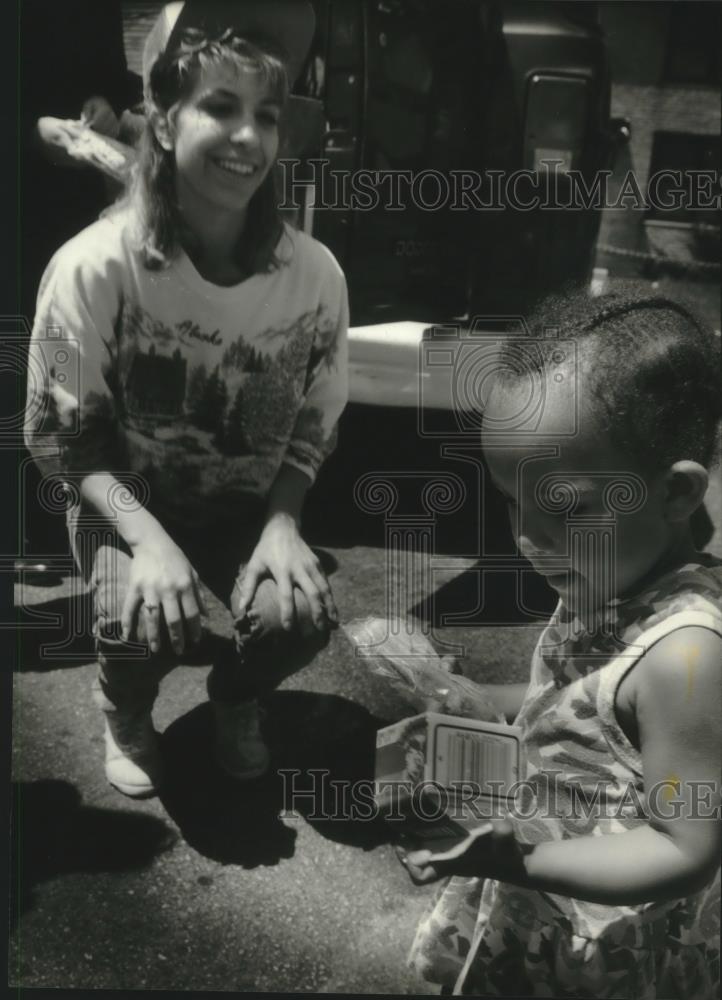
{"points": [[214, 885]]}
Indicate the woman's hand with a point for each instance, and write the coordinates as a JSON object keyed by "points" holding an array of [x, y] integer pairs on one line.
{"points": [[490, 852], [162, 579], [282, 554]]}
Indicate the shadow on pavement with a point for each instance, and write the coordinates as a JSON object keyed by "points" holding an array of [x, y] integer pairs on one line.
{"points": [[320, 738], [54, 635], [331, 742], [497, 597], [53, 833], [229, 821], [329, 563]]}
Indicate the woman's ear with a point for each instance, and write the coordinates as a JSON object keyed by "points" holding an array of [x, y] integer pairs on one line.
{"points": [[162, 126], [685, 486]]}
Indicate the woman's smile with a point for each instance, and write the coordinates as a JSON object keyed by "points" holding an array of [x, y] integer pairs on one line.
{"points": [[239, 168], [230, 121]]}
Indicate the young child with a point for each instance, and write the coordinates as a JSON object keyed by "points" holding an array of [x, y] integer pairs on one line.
{"points": [[186, 374], [603, 880]]}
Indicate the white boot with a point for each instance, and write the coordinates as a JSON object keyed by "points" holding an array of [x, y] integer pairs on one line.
{"points": [[132, 758], [239, 746]]}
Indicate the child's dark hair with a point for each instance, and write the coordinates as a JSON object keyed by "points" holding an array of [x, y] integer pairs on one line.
{"points": [[172, 78], [648, 361]]}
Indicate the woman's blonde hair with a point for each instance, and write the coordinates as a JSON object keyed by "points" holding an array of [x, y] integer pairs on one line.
{"points": [[152, 187]]}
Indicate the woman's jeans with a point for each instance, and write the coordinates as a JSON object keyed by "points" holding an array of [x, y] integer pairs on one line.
{"points": [[249, 655]]}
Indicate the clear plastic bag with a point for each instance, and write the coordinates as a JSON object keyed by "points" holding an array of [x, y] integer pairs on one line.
{"points": [[410, 665]]}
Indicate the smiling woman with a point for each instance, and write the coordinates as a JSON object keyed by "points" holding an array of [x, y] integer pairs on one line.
{"points": [[224, 138], [208, 366], [211, 145]]}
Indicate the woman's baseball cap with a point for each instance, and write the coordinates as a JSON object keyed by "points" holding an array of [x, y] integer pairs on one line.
{"points": [[289, 24]]}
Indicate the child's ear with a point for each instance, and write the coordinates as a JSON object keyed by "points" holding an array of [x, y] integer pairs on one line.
{"points": [[162, 126], [685, 486]]}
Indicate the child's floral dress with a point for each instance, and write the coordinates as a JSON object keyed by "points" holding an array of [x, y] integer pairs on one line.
{"points": [[496, 939]]}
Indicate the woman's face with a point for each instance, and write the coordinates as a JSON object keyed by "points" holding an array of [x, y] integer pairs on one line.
{"points": [[225, 139]]}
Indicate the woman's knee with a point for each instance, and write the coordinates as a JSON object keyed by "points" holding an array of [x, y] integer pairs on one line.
{"points": [[263, 616], [110, 581], [111, 646]]}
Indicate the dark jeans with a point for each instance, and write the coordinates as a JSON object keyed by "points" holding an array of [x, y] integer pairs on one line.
{"points": [[249, 655]]}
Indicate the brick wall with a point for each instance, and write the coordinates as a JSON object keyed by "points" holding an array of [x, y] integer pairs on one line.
{"points": [[690, 109]]}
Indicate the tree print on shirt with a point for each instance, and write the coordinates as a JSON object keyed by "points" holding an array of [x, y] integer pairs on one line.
{"points": [[196, 385], [244, 357], [156, 385], [247, 402], [311, 442], [266, 404], [97, 448], [264, 410], [137, 324], [210, 409], [236, 440]]}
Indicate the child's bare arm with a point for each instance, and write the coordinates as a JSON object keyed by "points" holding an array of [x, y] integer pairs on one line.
{"points": [[677, 852]]}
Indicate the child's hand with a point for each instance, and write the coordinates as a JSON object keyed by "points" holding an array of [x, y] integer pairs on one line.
{"points": [[492, 851], [162, 579], [282, 554]]}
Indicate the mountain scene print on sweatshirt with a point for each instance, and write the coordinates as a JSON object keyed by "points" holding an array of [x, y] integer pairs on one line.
{"points": [[248, 399]]}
